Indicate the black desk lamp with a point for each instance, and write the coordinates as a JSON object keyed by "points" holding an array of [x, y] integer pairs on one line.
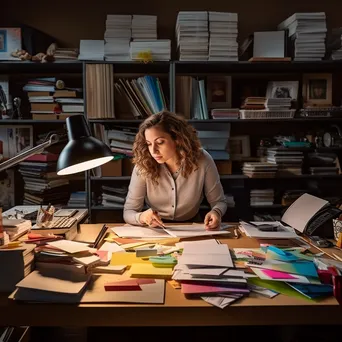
{"points": [[82, 152]]}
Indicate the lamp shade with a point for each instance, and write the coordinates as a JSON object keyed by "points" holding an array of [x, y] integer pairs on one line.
{"points": [[82, 152]]}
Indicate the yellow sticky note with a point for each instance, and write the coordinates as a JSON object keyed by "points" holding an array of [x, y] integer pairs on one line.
{"points": [[149, 271], [125, 258]]}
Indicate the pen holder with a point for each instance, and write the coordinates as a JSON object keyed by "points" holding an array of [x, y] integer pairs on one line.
{"points": [[44, 216]]}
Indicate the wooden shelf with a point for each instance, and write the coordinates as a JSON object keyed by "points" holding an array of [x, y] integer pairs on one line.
{"points": [[190, 67], [237, 121], [8, 67], [31, 122]]}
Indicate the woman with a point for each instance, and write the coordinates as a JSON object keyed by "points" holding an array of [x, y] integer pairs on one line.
{"points": [[172, 173]]}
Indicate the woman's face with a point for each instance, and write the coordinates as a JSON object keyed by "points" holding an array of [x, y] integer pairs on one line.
{"points": [[160, 144]]}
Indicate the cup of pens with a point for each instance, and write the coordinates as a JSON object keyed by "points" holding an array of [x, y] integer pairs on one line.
{"points": [[44, 216]]}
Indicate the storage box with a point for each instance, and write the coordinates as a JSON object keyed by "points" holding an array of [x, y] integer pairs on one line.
{"points": [[224, 167], [112, 169]]}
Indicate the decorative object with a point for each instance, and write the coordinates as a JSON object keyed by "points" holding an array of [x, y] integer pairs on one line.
{"points": [[337, 228], [239, 147], [317, 90], [282, 89], [219, 92]]}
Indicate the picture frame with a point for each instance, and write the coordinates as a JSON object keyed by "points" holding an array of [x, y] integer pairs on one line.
{"points": [[317, 90], [219, 92], [10, 41], [239, 147], [282, 89]]}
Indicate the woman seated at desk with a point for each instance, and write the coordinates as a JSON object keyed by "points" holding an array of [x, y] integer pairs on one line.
{"points": [[172, 173]]}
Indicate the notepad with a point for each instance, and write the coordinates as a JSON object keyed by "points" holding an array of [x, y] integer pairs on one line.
{"points": [[126, 258]]}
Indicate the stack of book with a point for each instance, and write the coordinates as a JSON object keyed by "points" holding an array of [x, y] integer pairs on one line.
{"points": [[117, 37], [78, 199], [288, 161], [308, 33], [66, 53], [42, 185], [254, 103], [49, 103], [16, 228], [262, 197], [223, 31], [259, 169], [17, 263], [225, 113], [192, 35], [114, 197]]}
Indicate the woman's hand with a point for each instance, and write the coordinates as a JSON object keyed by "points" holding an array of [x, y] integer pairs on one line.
{"points": [[151, 218], [212, 220]]}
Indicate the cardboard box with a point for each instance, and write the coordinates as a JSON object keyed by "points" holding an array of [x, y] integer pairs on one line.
{"points": [[224, 167], [112, 169]]}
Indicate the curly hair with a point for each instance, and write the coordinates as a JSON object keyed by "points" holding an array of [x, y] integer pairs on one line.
{"points": [[185, 136]]}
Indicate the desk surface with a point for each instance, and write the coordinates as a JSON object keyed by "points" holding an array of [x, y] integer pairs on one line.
{"points": [[177, 310]]}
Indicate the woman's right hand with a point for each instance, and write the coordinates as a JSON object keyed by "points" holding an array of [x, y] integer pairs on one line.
{"points": [[151, 218]]}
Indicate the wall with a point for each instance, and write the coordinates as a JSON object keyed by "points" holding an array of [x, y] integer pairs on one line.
{"points": [[70, 21]]}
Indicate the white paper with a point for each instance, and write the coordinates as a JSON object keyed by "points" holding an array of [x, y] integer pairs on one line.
{"points": [[70, 246], [129, 231], [111, 247], [194, 230], [220, 260], [198, 244]]}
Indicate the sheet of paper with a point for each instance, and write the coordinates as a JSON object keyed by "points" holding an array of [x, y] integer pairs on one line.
{"points": [[219, 301], [111, 247], [87, 260], [208, 249], [70, 246], [126, 259], [130, 231], [119, 269], [199, 244], [198, 289], [193, 230], [180, 276], [296, 278], [148, 270]]}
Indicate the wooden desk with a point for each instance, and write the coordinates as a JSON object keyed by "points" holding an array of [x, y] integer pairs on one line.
{"points": [[176, 311]]}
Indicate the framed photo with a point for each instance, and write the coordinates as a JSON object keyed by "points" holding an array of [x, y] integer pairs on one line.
{"points": [[219, 91], [10, 41], [282, 90], [239, 147], [317, 89]]}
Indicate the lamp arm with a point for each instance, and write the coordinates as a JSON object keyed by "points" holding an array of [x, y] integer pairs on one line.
{"points": [[54, 138]]}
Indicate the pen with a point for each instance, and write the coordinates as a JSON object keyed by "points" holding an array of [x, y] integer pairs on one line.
{"points": [[156, 213]]}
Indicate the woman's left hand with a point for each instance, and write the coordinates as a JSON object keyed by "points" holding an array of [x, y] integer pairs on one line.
{"points": [[212, 220]]}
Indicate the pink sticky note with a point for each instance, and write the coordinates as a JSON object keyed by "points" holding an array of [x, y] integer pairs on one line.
{"points": [[278, 275]]}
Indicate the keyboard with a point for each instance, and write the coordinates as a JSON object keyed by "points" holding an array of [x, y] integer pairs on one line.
{"points": [[61, 222]]}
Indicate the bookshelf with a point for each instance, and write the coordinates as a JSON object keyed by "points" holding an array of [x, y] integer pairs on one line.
{"points": [[237, 184]]}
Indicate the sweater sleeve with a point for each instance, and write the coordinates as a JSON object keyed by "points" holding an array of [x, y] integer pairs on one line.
{"points": [[135, 198], [213, 188]]}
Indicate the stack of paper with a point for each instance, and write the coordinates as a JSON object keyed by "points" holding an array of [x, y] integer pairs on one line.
{"points": [[91, 50], [206, 269], [308, 32], [117, 37], [159, 49], [282, 232], [144, 27], [223, 31], [334, 44], [192, 35]]}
